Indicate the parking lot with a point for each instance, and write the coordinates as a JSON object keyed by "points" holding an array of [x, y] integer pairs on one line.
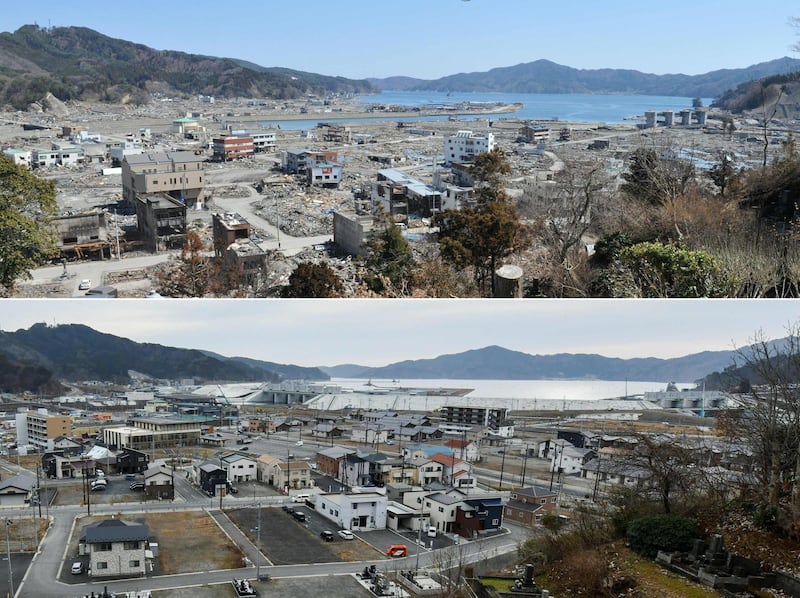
{"points": [[286, 541]]}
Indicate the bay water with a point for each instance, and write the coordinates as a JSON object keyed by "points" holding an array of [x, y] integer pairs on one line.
{"points": [[607, 108]]}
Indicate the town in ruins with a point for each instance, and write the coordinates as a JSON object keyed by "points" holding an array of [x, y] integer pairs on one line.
{"points": [[195, 195]]}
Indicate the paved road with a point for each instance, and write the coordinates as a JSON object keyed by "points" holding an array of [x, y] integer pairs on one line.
{"points": [[52, 556]]}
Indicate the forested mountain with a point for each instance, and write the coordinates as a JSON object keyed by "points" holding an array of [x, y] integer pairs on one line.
{"points": [[497, 363], [544, 76], [74, 352], [80, 63]]}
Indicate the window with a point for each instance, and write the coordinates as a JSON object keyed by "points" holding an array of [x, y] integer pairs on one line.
{"points": [[543, 501], [133, 564], [495, 522], [441, 509], [102, 565], [102, 547], [131, 545]]}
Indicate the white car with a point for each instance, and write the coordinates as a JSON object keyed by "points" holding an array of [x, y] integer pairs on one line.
{"points": [[299, 443], [85, 285], [77, 568], [346, 534]]}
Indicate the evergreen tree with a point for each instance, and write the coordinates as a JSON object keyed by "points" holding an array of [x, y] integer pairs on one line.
{"points": [[27, 205]]}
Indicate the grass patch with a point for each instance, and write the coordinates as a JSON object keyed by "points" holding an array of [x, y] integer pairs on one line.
{"points": [[500, 584], [658, 582]]}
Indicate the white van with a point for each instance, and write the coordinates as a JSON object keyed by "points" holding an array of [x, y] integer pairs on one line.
{"points": [[300, 497]]}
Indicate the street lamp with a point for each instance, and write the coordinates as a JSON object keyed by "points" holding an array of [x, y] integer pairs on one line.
{"points": [[8, 556]]}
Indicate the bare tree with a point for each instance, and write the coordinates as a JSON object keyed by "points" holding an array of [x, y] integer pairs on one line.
{"points": [[772, 421]]}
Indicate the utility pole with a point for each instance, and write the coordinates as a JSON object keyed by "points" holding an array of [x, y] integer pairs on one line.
{"points": [[258, 544], [8, 556], [524, 466], [503, 465], [38, 491]]}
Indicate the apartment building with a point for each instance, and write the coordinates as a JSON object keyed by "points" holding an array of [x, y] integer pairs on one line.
{"points": [[263, 141], [232, 147], [177, 174], [40, 428], [464, 146], [496, 420]]}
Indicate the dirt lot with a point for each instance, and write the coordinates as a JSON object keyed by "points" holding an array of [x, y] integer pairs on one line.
{"points": [[284, 541], [207, 548]]}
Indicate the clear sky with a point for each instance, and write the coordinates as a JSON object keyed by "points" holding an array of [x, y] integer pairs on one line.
{"points": [[433, 38], [378, 332]]}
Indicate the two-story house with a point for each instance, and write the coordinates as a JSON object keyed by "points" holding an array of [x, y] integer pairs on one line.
{"points": [[526, 506], [115, 547], [354, 511], [239, 468]]}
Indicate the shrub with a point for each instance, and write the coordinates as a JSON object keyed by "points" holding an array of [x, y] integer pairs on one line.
{"points": [[648, 535], [766, 516]]}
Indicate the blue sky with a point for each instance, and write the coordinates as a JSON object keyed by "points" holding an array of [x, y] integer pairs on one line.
{"points": [[434, 38], [377, 332]]}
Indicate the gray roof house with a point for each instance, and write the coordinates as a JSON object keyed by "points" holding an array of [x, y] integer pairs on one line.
{"points": [[16, 490], [115, 547]]}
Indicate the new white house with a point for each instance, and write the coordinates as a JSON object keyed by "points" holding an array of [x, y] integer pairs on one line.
{"points": [[355, 510], [239, 468]]}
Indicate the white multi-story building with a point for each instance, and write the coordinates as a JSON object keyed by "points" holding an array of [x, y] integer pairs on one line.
{"points": [[465, 145]]}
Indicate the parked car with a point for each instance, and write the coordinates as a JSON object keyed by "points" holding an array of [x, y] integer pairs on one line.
{"points": [[85, 285], [130, 477], [326, 535], [299, 443], [346, 534], [300, 516], [300, 497], [397, 550], [288, 509], [77, 568], [99, 488]]}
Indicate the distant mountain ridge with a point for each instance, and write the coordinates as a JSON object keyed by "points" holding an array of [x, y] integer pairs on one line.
{"points": [[498, 363], [75, 352], [80, 63], [545, 76]]}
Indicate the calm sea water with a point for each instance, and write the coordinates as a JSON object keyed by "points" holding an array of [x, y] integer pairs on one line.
{"points": [[565, 107], [526, 389]]}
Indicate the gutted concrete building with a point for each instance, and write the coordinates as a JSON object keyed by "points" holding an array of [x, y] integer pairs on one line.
{"points": [[83, 234], [177, 174]]}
